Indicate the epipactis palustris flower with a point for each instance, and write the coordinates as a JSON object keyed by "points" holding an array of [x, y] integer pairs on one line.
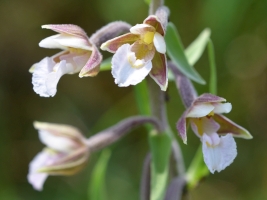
{"points": [[78, 55], [139, 53], [66, 153], [215, 131]]}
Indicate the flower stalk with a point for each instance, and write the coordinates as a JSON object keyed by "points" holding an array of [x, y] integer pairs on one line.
{"points": [[114, 133]]}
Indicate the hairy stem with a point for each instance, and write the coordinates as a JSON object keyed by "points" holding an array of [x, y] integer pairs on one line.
{"points": [[114, 133], [145, 179], [154, 5]]}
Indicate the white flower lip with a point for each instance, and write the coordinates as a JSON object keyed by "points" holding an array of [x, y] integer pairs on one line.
{"points": [[220, 154], [122, 69]]}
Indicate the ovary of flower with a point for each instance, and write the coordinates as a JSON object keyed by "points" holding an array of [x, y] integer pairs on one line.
{"points": [[144, 47]]}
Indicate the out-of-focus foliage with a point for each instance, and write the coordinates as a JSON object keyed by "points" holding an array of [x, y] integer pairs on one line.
{"points": [[239, 35]]}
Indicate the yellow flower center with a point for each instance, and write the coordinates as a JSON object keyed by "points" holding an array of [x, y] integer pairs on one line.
{"points": [[148, 37]]}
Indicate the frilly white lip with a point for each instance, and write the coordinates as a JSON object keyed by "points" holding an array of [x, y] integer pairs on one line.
{"points": [[218, 152], [47, 73], [45, 79]]}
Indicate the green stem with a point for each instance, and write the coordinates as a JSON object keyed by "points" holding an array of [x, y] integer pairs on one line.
{"points": [[213, 74]]}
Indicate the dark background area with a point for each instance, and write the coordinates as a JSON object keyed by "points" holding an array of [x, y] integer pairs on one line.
{"points": [[239, 33]]}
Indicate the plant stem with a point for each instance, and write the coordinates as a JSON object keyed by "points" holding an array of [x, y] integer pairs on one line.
{"points": [[114, 133], [154, 5]]}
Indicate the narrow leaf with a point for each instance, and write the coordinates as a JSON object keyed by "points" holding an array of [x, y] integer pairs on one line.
{"points": [[97, 183], [197, 170], [160, 145], [194, 51], [176, 52], [105, 65]]}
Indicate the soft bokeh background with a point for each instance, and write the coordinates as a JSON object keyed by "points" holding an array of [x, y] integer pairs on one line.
{"points": [[239, 32]]}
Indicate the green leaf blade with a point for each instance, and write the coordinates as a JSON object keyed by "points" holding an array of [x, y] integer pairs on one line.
{"points": [[105, 65], [160, 145], [176, 52], [96, 189], [194, 51]]}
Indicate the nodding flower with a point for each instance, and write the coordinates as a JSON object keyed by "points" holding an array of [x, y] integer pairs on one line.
{"points": [[78, 54], [139, 53], [214, 130], [66, 153]]}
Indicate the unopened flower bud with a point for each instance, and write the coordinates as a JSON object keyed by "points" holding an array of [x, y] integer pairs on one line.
{"points": [[66, 153]]}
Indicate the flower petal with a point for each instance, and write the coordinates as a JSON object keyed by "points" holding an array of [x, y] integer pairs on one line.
{"points": [[122, 70], [181, 127], [200, 110], [209, 98], [69, 29], [154, 21], [159, 71], [159, 43], [140, 29], [228, 126], [60, 130], [73, 42], [204, 125], [220, 156], [143, 51], [92, 66], [77, 61], [57, 142], [115, 43], [34, 178], [51, 43], [222, 107], [46, 76]]}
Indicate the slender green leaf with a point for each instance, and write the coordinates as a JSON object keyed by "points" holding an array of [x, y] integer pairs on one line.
{"points": [[197, 170], [97, 182], [213, 74], [194, 51], [175, 51], [105, 65], [160, 145]]}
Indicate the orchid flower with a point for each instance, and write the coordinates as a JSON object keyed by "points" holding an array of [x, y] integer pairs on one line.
{"points": [[215, 131], [139, 53], [78, 55], [65, 154]]}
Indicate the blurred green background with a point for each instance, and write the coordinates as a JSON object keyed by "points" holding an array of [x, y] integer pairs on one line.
{"points": [[239, 33]]}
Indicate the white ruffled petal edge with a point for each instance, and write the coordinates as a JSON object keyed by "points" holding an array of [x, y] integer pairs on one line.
{"points": [[46, 76], [122, 70], [218, 152]]}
